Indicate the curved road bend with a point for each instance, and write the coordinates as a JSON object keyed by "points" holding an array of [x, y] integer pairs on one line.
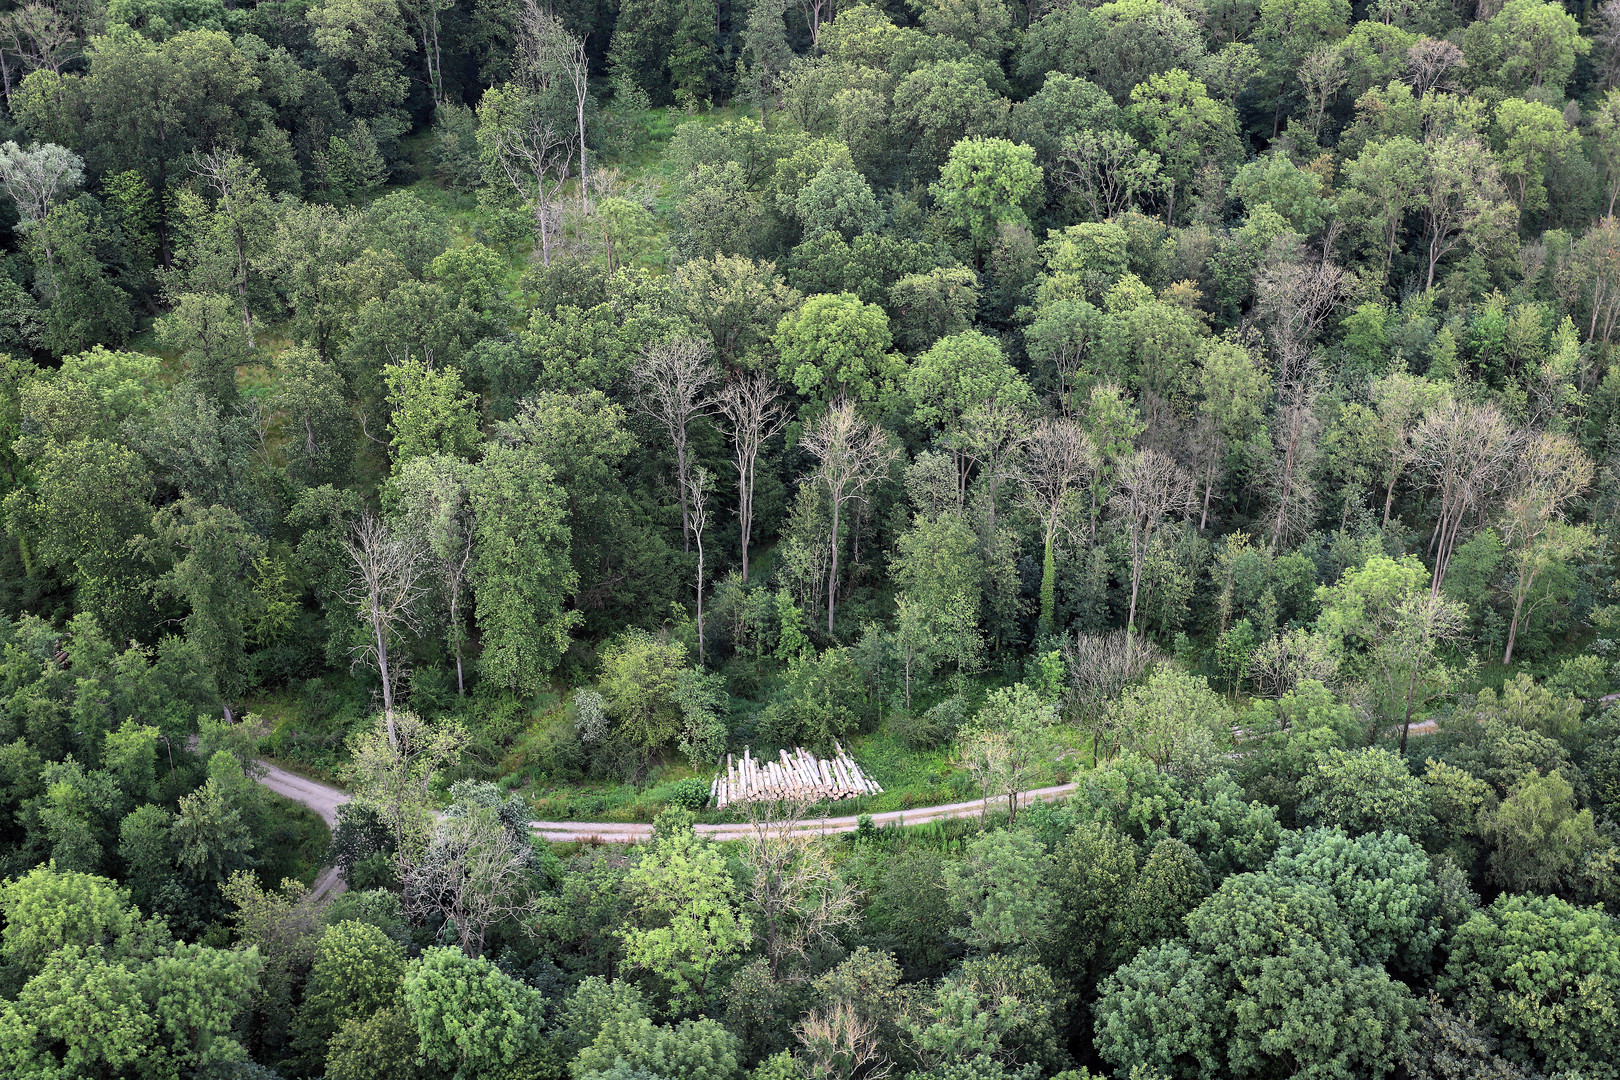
{"points": [[321, 798], [325, 800]]}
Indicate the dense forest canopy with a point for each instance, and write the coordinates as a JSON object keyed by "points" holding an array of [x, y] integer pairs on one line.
{"points": [[509, 410]]}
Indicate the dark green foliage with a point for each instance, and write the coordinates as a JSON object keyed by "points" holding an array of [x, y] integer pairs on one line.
{"points": [[1284, 330]]}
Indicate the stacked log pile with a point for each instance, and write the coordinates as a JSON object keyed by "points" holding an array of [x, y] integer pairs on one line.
{"points": [[797, 775]]}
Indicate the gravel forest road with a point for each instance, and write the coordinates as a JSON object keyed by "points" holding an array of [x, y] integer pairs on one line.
{"points": [[325, 799]]}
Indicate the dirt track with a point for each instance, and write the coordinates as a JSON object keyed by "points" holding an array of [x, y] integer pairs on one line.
{"points": [[321, 798], [325, 800], [610, 833]]}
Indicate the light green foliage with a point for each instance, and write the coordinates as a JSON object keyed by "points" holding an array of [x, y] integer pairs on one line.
{"points": [[211, 838], [1172, 715], [835, 344], [838, 200], [1172, 882], [1381, 883], [432, 414], [1534, 707], [1094, 871], [1161, 1012], [594, 1003], [212, 553], [1364, 600], [940, 104], [961, 374], [640, 676], [627, 1042], [1006, 741], [1178, 120], [1528, 47], [987, 183], [1528, 135], [1083, 262], [1002, 887], [521, 570], [1542, 976], [1269, 970], [1365, 790], [1539, 836], [47, 909], [368, 38], [470, 1017], [993, 1013], [937, 572], [932, 305], [380, 1047], [161, 1014], [358, 971], [688, 926], [1276, 182]]}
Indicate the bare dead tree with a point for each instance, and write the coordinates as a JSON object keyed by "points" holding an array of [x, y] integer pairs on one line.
{"points": [[229, 175], [393, 771], [1058, 458], [1430, 61], [435, 493], [1605, 27], [793, 882], [386, 586], [1407, 644], [754, 413], [1549, 474], [1295, 297], [817, 12], [1101, 666], [836, 1041], [854, 454], [992, 436], [701, 486], [1401, 401], [1322, 74], [1279, 663], [425, 13], [40, 36], [1464, 450], [545, 49], [474, 874], [1148, 487], [1294, 431], [534, 157], [673, 379]]}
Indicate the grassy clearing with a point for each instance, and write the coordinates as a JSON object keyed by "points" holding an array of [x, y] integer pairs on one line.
{"points": [[910, 779]]}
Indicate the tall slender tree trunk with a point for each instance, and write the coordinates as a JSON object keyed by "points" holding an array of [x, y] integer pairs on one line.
{"points": [[381, 635], [832, 575], [745, 511], [1389, 491], [1520, 593], [1048, 617], [1209, 486], [700, 599], [680, 482], [1138, 557]]}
